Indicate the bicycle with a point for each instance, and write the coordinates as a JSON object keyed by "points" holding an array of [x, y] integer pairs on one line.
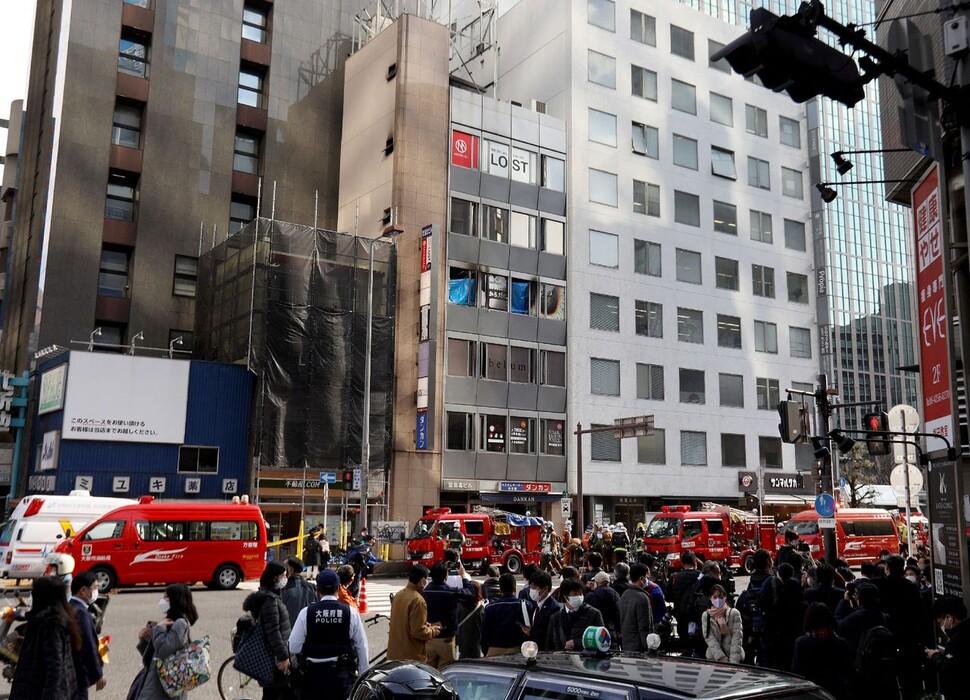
{"points": [[370, 623], [233, 684]]}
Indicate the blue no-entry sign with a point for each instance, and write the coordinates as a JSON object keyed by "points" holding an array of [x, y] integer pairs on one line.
{"points": [[825, 505]]}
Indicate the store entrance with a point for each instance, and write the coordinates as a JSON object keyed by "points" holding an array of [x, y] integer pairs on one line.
{"points": [[629, 515]]}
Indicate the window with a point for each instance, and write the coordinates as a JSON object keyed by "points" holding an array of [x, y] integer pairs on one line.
{"points": [[133, 54], [604, 312], [552, 368], [522, 362], [732, 450], [731, 388], [113, 273], [245, 155], [602, 127], [522, 230], [222, 531], [646, 258], [553, 173], [242, 210], [495, 292], [463, 217], [107, 530], [712, 48], [523, 294], [601, 69], [646, 198], [602, 187], [603, 448], [552, 439], [491, 431], [186, 276], [683, 97], [763, 281], [553, 237], [693, 448], [651, 449], [803, 386], [790, 132], [646, 140], [198, 460], [495, 223], [758, 173], [690, 325], [601, 13], [769, 452], [650, 382], [685, 152], [681, 42], [126, 126], [728, 332], [643, 83], [250, 91], [687, 208], [761, 226], [461, 287], [688, 266], [797, 288], [768, 393], [794, 235], [139, 3], [765, 337], [800, 340], [461, 357], [692, 386], [604, 249], [495, 362], [722, 109], [552, 301], [649, 319], [791, 183], [726, 273], [756, 121], [460, 431], [168, 531], [643, 28], [120, 196], [254, 24], [722, 163], [522, 435], [725, 218], [604, 377]]}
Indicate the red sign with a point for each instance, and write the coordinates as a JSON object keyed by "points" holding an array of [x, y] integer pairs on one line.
{"points": [[425, 254], [933, 319], [464, 150]]}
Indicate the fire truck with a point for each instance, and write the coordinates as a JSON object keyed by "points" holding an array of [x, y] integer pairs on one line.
{"points": [[715, 532], [488, 536]]}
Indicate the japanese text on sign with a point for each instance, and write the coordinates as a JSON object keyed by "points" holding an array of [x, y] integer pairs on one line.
{"points": [[526, 486]]}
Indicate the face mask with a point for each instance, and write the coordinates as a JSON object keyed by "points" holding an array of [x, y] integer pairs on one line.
{"points": [[575, 601], [533, 594], [164, 605], [718, 602], [280, 583], [911, 578], [94, 595]]}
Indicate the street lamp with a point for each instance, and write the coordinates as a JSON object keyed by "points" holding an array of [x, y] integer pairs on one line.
{"points": [[140, 335], [844, 165], [96, 333], [828, 194]]}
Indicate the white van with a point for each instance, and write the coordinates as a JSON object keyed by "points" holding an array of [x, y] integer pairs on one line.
{"points": [[40, 522]]}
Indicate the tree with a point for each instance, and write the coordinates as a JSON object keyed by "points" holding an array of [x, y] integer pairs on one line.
{"points": [[860, 473]]}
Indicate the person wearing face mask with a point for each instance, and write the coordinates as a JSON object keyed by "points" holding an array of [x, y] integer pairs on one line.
{"points": [[636, 613], [540, 593], [721, 627], [268, 611], [161, 640], [87, 662], [567, 625], [409, 630], [951, 661]]}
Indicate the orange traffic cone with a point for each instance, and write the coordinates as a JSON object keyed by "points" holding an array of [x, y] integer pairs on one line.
{"points": [[362, 597]]}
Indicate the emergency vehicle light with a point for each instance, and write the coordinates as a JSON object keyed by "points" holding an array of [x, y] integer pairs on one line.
{"points": [[34, 507], [674, 509], [146, 499]]}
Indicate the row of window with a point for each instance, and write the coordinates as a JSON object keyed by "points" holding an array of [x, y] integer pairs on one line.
{"points": [[519, 164], [502, 433], [114, 271], [506, 362], [499, 292], [497, 223]]}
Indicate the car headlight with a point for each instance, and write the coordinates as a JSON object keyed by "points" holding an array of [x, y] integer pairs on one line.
{"points": [[427, 555], [673, 556]]}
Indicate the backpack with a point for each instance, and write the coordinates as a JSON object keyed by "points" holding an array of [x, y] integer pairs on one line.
{"points": [[749, 605], [877, 653]]}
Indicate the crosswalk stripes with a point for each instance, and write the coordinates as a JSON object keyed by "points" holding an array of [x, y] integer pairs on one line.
{"points": [[378, 596]]}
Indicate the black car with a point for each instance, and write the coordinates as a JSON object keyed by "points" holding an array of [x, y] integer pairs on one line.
{"points": [[576, 676]]}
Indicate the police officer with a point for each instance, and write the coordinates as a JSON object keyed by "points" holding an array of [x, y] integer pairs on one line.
{"points": [[329, 636]]}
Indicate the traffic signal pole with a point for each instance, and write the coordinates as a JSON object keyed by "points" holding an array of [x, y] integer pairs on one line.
{"points": [[826, 469]]}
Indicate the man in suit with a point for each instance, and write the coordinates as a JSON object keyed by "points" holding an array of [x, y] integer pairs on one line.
{"points": [[87, 661], [540, 593]]}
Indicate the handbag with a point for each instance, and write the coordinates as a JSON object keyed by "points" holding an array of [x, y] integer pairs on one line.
{"points": [[186, 669], [253, 658], [134, 690]]}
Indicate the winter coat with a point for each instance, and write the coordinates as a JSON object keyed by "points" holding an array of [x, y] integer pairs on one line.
{"points": [[87, 662], [164, 641], [636, 619], [824, 661], [607, 601], [469, 634], [45, 670], [952, 663], [503, 622], [722, 647], [268, 610], [566, 625], [297, 595], [409, 631]]}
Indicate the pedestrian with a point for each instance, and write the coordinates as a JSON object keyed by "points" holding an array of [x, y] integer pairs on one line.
{"points": [[45, 669], [443, 601], [621, 543], [568, 572], [784, 611], [324, 553], [87, 661], [567, 625], [594, 565], [268, 611], [505, 620], [330, 636], [900, 600], [820, 655], [469, 632], [409, 630], [298, 592], [527, 571], [540, 593], [161, 640], [722, 629], [749, 605], [678, 588], [825, 591], [636, 611], [789, 553], [345, 574], [858, 613], [952, 661], [621, 578], [311, 549], [490, 585], [696, 602], [607, 601]]}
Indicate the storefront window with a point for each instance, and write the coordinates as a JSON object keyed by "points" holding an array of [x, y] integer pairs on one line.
{"points": [[493, 433], [552, 438], [522, 435]]}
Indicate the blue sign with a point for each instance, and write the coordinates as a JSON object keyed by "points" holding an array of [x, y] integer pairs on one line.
{"points": [[825, 505], [421, 439], [328, 477]]}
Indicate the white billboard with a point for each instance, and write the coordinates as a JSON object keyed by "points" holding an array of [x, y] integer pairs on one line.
{"points": [[121, 398]]}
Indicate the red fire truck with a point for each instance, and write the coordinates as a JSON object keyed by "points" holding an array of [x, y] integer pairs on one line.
{"points": [[489, 536]]}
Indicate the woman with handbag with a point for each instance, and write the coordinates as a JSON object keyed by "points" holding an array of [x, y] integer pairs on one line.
{"points": [[273, 624], [162, 639]]}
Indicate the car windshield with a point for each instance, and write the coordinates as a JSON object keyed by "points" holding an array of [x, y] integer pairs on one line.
{"points": [[6, 530], [663, 527], [803, 527], [422, 528]]}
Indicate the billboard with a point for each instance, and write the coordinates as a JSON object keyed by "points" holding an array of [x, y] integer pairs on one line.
{"points": [[52, 390], [120, 398]]}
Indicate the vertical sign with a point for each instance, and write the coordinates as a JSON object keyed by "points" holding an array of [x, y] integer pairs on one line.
{"points": [[464, 150], [933, 319], [425, 360], [944, 506]]}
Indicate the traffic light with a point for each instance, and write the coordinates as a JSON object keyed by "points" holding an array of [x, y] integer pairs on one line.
{"points": [[878, 438], [794, 425], [348, 479], [786, 55]]}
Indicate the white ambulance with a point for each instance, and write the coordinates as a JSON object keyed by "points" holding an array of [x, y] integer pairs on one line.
{"points": [[40, 522]]}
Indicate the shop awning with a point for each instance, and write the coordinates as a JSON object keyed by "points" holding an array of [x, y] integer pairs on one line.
{"points": [[787, 499]]}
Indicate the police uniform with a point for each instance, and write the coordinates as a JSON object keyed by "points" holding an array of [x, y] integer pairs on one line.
{"points": [[330, 637]]}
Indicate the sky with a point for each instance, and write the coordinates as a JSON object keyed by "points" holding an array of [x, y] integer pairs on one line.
{"points": [[16, 29]]}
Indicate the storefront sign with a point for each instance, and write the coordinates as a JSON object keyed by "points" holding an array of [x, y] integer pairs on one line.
{"points": [[464, 150], [519, 433], [9, 383], [784, 483], [52, 390], [157, 484], [425, 358], [554, 436], [527, 486], [774, 483], [747, 482], [49, 450], [83, 483], [458, 485], [944, 506], [496, 159], [41, 483], [627, 501], [421, 431]]}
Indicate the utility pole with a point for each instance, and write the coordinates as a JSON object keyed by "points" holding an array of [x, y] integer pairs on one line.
{"points": [[826, 471]]}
